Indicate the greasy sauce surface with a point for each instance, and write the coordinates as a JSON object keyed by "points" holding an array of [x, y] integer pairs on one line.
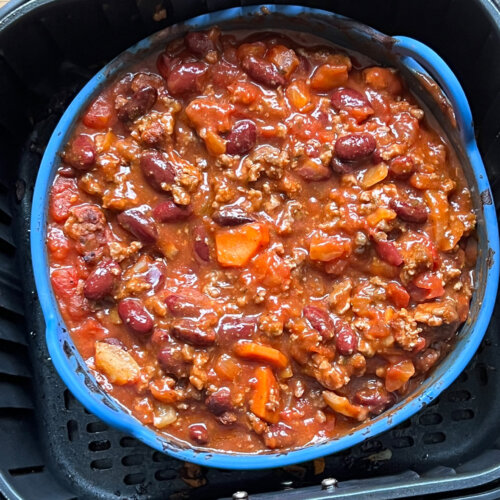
{"points": [[257, 244]]}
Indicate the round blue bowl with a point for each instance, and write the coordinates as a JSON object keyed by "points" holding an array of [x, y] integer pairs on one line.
{"points": [[416, 62]]}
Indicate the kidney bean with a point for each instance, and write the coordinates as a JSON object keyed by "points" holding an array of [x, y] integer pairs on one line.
{"points": [[425, 360], [263, 71], [374, 395], [186, 78], [199, 43], [81, 153], [100, 281], [231, 216], [242, 138], [346, 98], [346, 341], [157, 169], [355, 147], [232, 328], [219, 402], [320, 320], [200, 244], [402, 167], [198, 433], [164, 63], [187, 330], [168, 211], [138, 104], [172, 363], [408, 212], [190, 303], [135, 316], [155, 275], [313, 172], [137, 222], [388, 252]]}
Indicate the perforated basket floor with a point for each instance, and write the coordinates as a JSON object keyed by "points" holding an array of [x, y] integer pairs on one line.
{"points": [[51, 447]]}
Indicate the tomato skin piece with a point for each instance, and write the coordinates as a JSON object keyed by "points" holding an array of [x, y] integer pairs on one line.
{"points": [[398, 294], [63, 196], [57, 244], [99, 114], [430, 284]]}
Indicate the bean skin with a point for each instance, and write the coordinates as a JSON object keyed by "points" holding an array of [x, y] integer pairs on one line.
{"points": [[171, 361], [187, 330], [320, 320], [198, 433], [200, 243], [168, 211], [355, 147], [231, 216], [186, 78], [101, 281], [388, 252], [347, 99], [219, 402], [340, 167], [346, 341], [157, 169], [138, 104], [199, 43], [242, 138], [137, 222], [135, 316], [234, 328], [263, 71], [81, 153], [401, 167], [408, 212]]}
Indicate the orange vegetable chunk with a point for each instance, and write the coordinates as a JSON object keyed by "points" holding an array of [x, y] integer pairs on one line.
{"points": [[259, 352], [325, 248], [265, 399], [398, 374], [236, 246]]}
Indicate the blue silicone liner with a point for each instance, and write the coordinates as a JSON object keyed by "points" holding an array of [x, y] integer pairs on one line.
{"points": [[71, 367]]}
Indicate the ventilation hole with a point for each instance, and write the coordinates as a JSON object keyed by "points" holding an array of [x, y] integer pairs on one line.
{"points": [[72, 427], [101, 464], [23, 471], [483, 374], [433, 403], [457, 396], [463, 378], [69, 400], [434, 438], [462, 415], [128, 442], [404, 425], [137, 478], [132, 460], [165, 474], [97, 427], [160, 457], [403, 442], [430, 419], [99, 445]]}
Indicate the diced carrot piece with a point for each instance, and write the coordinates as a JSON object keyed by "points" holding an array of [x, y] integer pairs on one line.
{"points": [[284, 59], [380, 214], [256, 49], [215, 144], [374, 175], [226, 367], [99, 114], [63, 196], [265, 399], [244, 92], [298, 95], [117, 364], [326, 77], [325, 248], [343, 406], [383, 79], [236, 246], [398, 294], [397, 375], [259, 352]]}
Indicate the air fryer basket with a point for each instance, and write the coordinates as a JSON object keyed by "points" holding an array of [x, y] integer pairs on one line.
{"points": [[51, 447]]}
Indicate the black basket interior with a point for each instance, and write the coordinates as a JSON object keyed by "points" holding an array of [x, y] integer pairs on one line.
{"points": [[52, 447]]}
